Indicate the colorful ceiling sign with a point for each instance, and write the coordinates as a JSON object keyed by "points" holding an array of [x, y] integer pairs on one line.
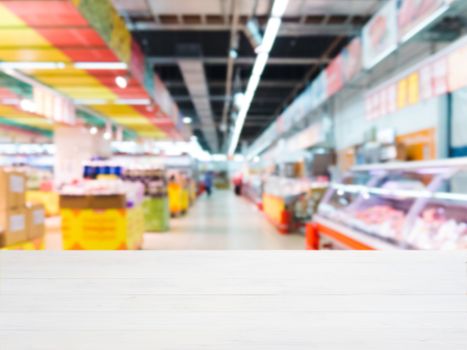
{"points": [[76, 36], [380, 35], [414, 15]]}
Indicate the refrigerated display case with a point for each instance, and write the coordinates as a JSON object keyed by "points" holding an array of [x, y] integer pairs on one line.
{"points": [[289, 203], [417, 205]]}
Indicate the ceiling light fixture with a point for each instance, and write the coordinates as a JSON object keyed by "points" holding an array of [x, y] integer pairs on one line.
{"points": [[133, 101], [279, 7], [101, 65], [27, 105], [121, 82], [272, 29], [107, 136], [233, 54], [187, 120], [32, 65], [93, 130]]}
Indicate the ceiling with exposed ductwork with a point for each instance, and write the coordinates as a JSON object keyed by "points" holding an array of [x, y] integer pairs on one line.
{"points": [[204, 53]]}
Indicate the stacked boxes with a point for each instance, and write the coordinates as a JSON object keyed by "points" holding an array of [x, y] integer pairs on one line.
{"points": [[18, 223], [12, 207]]}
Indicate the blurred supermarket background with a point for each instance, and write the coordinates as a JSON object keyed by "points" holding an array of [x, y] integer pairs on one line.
{"points": [[233, 124]]}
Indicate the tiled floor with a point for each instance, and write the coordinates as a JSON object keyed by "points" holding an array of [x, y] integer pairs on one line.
{"points": [[223, 221]]}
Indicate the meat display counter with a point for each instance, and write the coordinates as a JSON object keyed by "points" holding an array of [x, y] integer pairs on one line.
{"points": [[417, 205]]}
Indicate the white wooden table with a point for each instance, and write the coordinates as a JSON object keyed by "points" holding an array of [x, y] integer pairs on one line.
{"points": [[233, 300]]}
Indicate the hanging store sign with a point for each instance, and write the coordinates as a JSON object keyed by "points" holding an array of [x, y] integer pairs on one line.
{"points": [[137, 62], [435, 77], [351, 57], [334, 76], [414, 15], [319, 90], [458, 69], [381, 102], [55, 107], [380, 35]]}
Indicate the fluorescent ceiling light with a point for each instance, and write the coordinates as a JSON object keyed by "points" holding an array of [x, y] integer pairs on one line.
{"points": [[89, 102], [32, 65], [279, 7], [260, 64], [133, 101], [272, 29], [270, 35], [251, 89], [122, 101], [101, 65]]}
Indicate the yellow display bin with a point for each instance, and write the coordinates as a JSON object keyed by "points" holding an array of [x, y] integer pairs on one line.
{"points": [[276, 211], [50, 200], [174, 191], [36, 244], [102, 229], [185, 200]]}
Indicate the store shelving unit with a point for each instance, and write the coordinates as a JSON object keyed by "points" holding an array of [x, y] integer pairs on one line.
{"points": [[417, 205]]}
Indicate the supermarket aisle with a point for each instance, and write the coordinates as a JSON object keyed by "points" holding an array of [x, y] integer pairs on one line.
{"points": [[223, 221]]}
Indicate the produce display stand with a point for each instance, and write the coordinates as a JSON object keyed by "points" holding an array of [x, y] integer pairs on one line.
{"points": [[156, 214], [395, 206], [101, 222]]}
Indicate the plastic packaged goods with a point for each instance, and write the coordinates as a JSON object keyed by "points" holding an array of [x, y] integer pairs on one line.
{"points": [[134, 191], [153, 179]]}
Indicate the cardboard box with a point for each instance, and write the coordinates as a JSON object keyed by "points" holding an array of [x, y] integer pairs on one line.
{"points": [[93, 202], [13, 228], [35, 221], [12, 189]]}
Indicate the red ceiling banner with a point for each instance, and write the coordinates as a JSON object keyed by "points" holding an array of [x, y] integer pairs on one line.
{"points": [[335, 78], [352, 59]]}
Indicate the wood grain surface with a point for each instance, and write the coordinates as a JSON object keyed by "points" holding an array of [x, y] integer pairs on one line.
{"points": [[233, 300]]}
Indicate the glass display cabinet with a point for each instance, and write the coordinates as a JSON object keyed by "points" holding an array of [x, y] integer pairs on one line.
{"points": [[418, 205]]}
